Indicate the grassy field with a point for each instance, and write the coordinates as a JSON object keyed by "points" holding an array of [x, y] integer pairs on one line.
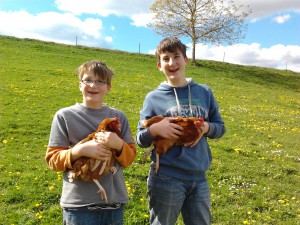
{"points": [[254, 177]]}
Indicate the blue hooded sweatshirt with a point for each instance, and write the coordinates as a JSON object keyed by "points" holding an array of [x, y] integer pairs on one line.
{"points": [[192, 100]]}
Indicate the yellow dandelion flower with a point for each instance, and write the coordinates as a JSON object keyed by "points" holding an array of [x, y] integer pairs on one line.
{"points": [[38, 215], [51, 188], [5, 141], [237, 150]]}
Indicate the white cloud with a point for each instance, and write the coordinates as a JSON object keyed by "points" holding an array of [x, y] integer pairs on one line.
{"points": [[137, 10], [105, 7], [132, 7], [277, 56], [53, 26], [261, 9], [79, 7], [282, 19], [108, 39], [141, 20]]}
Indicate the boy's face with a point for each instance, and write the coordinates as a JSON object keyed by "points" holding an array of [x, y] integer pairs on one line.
{"points": [[93, 94], [172, 64]]}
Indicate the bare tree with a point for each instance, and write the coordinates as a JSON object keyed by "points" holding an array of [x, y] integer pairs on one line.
{"points": [[209, 21]]}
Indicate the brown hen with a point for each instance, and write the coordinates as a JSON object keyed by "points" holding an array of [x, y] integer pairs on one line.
{"points": [[92, 170], [191, 131]]}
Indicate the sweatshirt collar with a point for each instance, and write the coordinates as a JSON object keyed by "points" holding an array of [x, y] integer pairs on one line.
{"points": [[166, 84]]}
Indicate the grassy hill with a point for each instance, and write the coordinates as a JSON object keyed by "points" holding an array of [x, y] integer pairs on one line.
{"points": [[254, 177]]}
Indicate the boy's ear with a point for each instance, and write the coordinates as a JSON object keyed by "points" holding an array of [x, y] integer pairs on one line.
{"points": [[186, 60], [159, 66], [108, 88]]}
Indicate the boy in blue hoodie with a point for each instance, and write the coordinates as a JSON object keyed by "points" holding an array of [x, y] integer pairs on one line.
{"points": [[180, 185]]}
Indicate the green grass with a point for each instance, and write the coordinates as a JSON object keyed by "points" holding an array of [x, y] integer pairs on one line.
{"points": [[254, 177]]}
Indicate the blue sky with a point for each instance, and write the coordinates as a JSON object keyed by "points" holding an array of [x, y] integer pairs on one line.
{"points": [[272, 38]]}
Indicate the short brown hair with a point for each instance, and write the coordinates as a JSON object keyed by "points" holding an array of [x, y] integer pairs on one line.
{"points": [[99, 68], [171, 44]]}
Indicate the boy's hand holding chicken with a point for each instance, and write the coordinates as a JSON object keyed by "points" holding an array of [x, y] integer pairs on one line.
{"points": [[92, 149], [110, 140]]}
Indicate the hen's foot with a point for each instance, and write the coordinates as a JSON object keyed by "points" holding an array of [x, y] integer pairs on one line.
{"points": [[101, 191]]}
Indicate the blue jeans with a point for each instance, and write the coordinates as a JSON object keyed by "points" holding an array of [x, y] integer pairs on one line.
{"points": [[94, 217], [169, 196]]}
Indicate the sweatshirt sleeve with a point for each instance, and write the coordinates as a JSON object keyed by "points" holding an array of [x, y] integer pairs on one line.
{"points": [[216, 124], [144, 138], [58, 159], [127, 155]]}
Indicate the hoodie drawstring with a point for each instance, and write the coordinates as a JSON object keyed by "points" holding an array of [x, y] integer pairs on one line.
{"points": [[178, 103]]}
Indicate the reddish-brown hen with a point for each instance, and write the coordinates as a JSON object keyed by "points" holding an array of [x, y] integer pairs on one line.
{"points": [[191, 131], [92, 170]]}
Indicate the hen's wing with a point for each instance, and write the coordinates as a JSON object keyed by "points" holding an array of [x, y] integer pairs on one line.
{"points": [[190, 131], [152, 120]]}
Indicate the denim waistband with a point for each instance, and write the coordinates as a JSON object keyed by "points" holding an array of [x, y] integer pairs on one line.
{"points": [[96, 207]]}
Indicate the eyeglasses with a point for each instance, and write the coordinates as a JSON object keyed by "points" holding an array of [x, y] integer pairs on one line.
{"points": [[96, 82]]}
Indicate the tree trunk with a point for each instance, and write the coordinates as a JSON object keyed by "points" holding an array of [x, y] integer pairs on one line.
{"points": [[194, 54]]}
